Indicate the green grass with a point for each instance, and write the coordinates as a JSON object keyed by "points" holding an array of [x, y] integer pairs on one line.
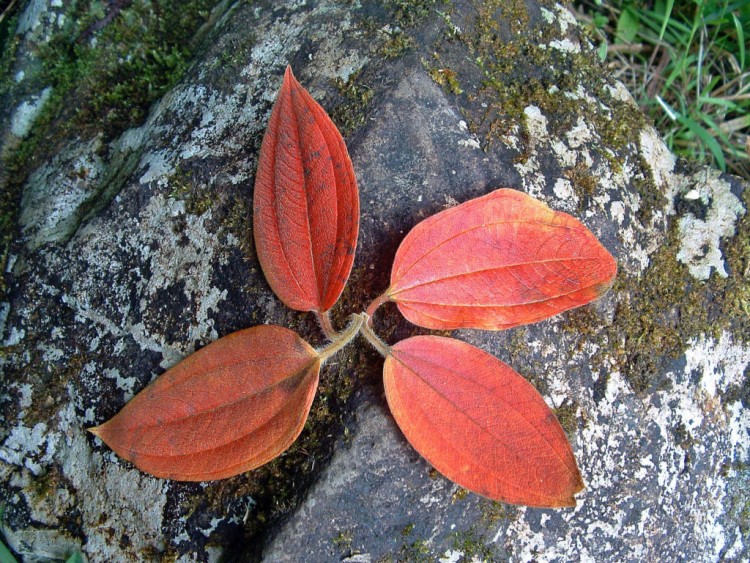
{"points": [[686, 63]]}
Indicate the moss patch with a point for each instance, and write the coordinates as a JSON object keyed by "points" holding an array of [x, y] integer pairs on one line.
{"points": [[473, 545], [567, 416], [444, 76], [519, 68], [197, 200], [138, 56], [397, 44], [495, 511], [407, 13], [658, 313], [352, 111], [417, 550], [104, 87]]}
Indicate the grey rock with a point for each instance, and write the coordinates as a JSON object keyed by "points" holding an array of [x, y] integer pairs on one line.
{"points": [[121, 272]]}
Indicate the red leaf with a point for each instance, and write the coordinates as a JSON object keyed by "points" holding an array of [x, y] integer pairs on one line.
{"points": [[230, 407], [306, 203], [479, 423], [495, 262]]}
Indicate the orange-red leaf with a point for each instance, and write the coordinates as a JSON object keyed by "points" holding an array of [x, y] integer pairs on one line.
{"points": [[306, 203], [228, 408], [479, 423], [495, 262]]}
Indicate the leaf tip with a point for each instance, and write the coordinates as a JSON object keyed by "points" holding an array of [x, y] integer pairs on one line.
{"points": [[576, 487]]}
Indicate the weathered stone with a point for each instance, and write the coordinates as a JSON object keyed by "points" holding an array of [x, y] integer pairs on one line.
{"points": [[123, 270]]}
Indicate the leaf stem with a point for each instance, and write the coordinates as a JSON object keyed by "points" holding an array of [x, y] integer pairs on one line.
{"points": [[324, 320], [373, 338], [377, 302], [341, 339]]}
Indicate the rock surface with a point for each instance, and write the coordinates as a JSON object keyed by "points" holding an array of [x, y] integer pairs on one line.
{"points": [[133, 255]]}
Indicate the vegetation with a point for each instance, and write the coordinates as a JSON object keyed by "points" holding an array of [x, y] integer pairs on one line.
{"points": [[105, 65], [686, 63]]}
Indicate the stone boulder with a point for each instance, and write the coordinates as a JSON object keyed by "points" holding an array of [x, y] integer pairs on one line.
{"points": [[132, 255]]}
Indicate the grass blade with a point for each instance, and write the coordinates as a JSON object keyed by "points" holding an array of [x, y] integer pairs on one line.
{"points": [[5, 555], [667, 16], [740, 38], [706, 139]]}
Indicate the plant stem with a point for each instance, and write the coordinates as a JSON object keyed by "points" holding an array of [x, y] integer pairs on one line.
{"points": [[341, 339], [324, 320], [373, 338], [383, 298]]}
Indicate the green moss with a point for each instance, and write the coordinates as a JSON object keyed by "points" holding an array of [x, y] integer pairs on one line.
{"points": [[407, 13], [520, 69], [445, 77], [459, 495], [343, 541], [397, 44], [417, 551], [48, 482], [102, 88], [137, 57], [9, 42], [567, 416], [197, 200], [473, 545], [660, 312], [236, 221], [584, 183], [494, 511], [352, 112], [736, 287], [652, 196]]}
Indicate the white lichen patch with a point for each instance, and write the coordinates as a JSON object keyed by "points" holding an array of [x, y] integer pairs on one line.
{"points": [[452, 556], [185, 257], [218, 114], [107, 496], [662, 163], [55, 193], [127, 384], [579, 136], [700, 239], [720, 364], [40, 19], [548, 15], [469, 143], [715, 435], [677, 444], [104, 491], [25, 114], [532, 178], [565, 18], [157, 165], [619, 92], [564, 191], [335, 59], [25, 447], [565, 45]]}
